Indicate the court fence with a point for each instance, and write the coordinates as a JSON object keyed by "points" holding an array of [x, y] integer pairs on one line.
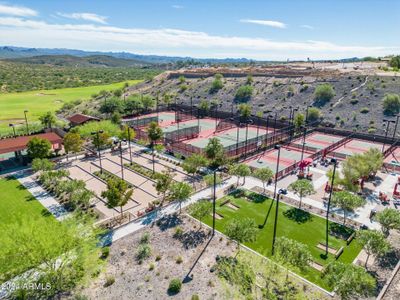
{"points": [[140, 122], [182, 134]]}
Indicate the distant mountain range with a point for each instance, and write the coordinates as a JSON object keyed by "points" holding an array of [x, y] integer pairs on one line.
{"points": [[21, 52]]}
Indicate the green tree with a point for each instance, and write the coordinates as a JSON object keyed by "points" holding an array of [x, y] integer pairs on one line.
{"points": [[395, 62], [299, 120], [244, 93], [209, 180], [241, 230], [116, 118], [313, 114], [154, 133], [38, 148], [182, 79], [349, 281], [127, 133], [347, 201], [133, 104], [324, 93], [391, 104], [193, 163], [42, 164], [112, 105], [163, 183], [148, 102], [373, 242], [60, 263], [264, 174], [180, 191], [293, 253], [389, 219], [102, 140], [240, 170], [72, 142], [215, 152], [118, 193], [48, 119], [200, 209], [204, 106], [303, 188], [117, 93], [244, 111]]}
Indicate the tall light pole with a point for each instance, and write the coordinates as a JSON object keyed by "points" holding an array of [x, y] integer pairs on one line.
{"points": [[334, 161], [308, 107], [97, 134], [278, 147], [304, 142], [129, 143], [387, 131], [120, 155], [214, 200], [395, 126], [26, 122]]}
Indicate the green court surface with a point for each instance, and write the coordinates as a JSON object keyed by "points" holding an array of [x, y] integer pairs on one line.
{"points": [[292, 223], [204, 125], [318, 141]]}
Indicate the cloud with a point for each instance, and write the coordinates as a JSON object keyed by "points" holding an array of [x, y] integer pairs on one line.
{"points": [[270, 23], [307, 27], [164, 41], [85, 16], [177, 6], [19, 11]]}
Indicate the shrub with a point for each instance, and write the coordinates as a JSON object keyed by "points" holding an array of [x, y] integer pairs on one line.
{"points": [[179, 260], [391, 104], [195, 297], [143, 252], [105, 252], [313, 114], [145, 238], [324, 93], [364, 110], [244, 93], [158, 257], [354, 101], [175, 286], [217, 84], [178, 232], [151, 267], [109, 281]]}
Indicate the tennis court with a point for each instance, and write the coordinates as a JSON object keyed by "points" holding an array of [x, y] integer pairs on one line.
{"points": [[317, 141], [355, 146], [269, 159]]}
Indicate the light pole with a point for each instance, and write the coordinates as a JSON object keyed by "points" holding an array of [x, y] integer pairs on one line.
{"points": [[13, 127], [97, 134], [214, 200], [26, 122], [120, 155], [304, 142], [308, 107], [334, 161], [237, 139], [395, 127], [387, 131], [129, 143], [247, 131]]}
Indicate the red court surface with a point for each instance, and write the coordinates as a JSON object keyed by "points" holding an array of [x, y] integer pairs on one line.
{"points": [[288, 157], [354, 146], [317, 141], [392, 161]]}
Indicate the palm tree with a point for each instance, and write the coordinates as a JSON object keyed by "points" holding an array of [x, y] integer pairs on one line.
{"points": [[154, 133]]}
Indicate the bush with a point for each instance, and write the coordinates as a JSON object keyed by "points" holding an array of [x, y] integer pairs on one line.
{"points": [[354, 101], [364, 110], [179, 260], [145, 238], [391, 104], [143, 252], [178, 232], [105, 252], [395, 62], [195, 297], [244, 93], [323, 93], [217, 84], [109, 281], [313, 114], [175, 286]]}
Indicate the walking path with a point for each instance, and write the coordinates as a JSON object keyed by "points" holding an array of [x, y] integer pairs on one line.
{"points": [[56, 209]]}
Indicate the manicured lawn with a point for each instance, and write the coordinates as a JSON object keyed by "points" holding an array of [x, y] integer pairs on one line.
{"points": [[12, 105], [305, 228]]}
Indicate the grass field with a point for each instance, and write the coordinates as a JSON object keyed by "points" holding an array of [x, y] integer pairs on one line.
{"points": [[12, 105], [18, 206], [306, 228]]}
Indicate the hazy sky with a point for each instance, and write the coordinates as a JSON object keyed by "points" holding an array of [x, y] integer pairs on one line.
{"points": [[294, 29]]}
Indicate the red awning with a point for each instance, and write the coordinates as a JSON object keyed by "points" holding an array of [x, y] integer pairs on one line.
{"points": [[19, 143]]}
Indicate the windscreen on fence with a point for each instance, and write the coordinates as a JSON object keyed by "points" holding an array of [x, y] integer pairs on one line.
{"points": [[224, 125], [181, 134], [181, 116], [141, 122]]}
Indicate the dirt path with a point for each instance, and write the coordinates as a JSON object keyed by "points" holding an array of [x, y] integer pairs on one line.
{"points": [[352, 90]]}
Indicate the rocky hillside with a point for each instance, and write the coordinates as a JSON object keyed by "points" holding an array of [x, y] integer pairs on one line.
{"points": [[357, 103]]}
